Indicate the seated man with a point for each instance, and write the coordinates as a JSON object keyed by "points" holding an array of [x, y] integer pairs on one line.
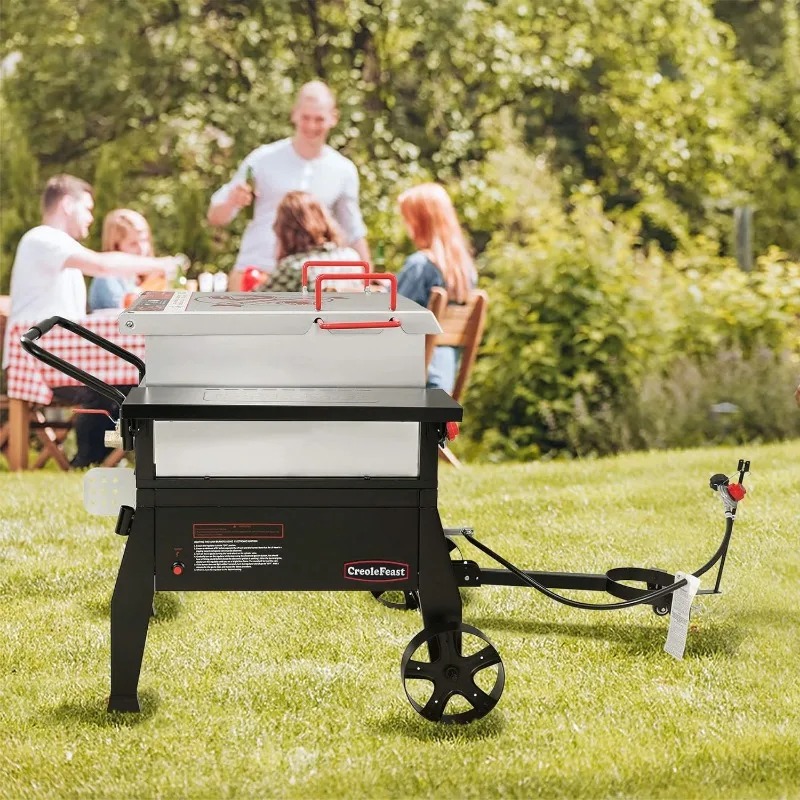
{"points": [[47, 280]]}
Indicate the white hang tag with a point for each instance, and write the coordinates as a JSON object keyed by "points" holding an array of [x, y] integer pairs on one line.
{"points": [[679, 614]]}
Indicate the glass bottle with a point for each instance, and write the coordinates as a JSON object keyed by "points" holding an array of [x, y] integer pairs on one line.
{"points": [[250, 178]]}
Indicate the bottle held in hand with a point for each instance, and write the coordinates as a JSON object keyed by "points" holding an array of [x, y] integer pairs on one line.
{"points": [[249, 210], [379, 262], [182, 267]]}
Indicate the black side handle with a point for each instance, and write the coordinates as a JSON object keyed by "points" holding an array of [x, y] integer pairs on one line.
{"points": [[115, 395]]}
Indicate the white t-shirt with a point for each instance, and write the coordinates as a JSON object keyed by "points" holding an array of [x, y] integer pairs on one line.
{"points": [[278, 169], [41, 286]]}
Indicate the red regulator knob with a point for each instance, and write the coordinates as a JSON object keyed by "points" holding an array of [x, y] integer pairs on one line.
{"points": [[451, 429], [736, 491]]}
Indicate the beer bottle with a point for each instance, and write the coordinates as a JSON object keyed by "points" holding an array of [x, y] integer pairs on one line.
{"points": [[379, 262], [179, 281], [250, 178]]}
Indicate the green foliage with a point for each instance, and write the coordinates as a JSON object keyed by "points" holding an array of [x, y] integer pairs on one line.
{"points": [[570, 316], [729, 398], [19, 197], [768, 40], [595, 152], [731, 309], [652, 102], [109, 178], [582, 322]]}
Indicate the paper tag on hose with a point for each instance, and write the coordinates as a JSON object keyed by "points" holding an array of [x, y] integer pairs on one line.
{"points": [[679, 614]]}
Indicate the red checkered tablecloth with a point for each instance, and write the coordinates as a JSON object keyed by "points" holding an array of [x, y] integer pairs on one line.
{"points": [[30, 379]]}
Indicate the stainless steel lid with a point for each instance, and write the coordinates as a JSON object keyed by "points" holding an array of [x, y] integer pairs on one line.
{"points": [[179, 313]]}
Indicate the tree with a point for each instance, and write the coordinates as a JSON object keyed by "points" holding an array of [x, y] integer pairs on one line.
{"points": [[19, 196]]}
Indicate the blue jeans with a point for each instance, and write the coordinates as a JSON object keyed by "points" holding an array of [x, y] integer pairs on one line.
{"points": [[442, 369], [90, 429]]}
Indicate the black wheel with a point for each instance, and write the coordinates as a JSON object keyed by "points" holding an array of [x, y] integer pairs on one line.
{"points": [[464, 674], [662, 606], [395, 598]]}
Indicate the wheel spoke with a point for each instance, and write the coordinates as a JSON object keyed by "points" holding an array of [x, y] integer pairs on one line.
{"points": [[419, 669], [480, 701], [434, 708], [483, 658]]}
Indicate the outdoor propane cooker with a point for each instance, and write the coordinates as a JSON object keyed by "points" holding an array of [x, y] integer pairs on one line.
{"points": [[275, 426]]}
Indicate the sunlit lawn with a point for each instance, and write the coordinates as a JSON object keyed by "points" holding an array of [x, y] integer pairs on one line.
{"points": [[299, 695]]}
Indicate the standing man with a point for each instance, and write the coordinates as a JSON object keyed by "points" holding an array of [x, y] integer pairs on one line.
{"points": [[304, 163], [47, 281]]}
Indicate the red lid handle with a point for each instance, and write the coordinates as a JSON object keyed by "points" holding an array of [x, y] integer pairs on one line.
{"points": [[349, 276], [356, 264], [351, 326]]}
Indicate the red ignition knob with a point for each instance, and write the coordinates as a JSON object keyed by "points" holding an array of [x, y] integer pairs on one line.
{"points": [[736, 491], [451, 430], [177, 568]]}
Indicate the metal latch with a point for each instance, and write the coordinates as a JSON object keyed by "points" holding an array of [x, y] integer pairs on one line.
{"points": [[113, 438]]}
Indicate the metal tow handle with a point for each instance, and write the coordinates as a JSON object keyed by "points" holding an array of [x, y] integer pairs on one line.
{"points": [[37, 331]]}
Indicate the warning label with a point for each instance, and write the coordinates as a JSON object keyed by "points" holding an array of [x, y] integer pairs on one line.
{"points": [[234, 555], [152, 301], [237, 530]]}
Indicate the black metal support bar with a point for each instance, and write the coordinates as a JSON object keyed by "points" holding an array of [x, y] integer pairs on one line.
{"points": [[584, 581], [131, 607], [439, 599]]}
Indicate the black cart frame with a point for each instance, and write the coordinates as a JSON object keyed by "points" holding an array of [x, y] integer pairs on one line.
{"points": [[376, 534]]}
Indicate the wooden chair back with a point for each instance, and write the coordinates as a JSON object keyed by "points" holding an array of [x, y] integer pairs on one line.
{"points": [[437, 305], [463, 327]]}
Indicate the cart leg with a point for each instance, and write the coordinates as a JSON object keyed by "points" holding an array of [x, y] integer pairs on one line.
{"points": [[131, 606], [439, 598]]}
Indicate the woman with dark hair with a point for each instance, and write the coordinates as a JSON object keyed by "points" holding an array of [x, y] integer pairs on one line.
{"points": [[305, 231]]}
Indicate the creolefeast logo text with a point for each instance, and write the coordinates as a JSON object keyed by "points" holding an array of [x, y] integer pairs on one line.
{"points": [[375, 571]]}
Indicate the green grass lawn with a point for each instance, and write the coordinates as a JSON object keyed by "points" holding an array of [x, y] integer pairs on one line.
{"points": [[290, 695]]}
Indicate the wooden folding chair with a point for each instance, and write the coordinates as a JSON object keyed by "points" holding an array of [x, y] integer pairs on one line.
{"points": [[462, 327]]}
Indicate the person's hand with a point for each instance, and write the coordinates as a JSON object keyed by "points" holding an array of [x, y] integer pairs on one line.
{"points": [[170, 265], [241, 195]]}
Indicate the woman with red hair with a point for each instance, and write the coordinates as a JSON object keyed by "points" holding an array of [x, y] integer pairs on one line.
{"points": [[442, 259]]}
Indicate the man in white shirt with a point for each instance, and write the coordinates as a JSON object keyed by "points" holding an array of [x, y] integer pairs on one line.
{"points": [[47, 281], [302, 163], [50, 262]]}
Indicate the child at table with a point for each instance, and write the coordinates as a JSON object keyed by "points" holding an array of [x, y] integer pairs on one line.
{"points": [[124, 231]]}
